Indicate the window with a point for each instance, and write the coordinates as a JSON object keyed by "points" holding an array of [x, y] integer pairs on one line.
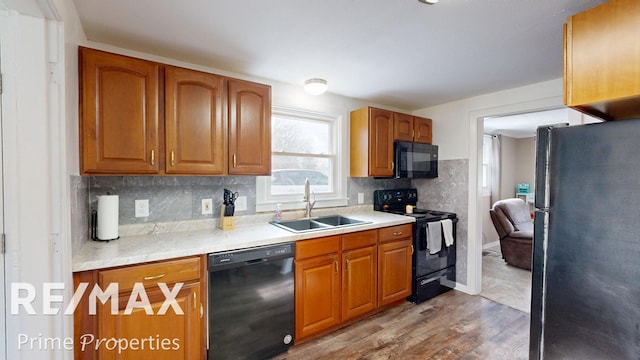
{"points": [[304, 145], [487, 152]]}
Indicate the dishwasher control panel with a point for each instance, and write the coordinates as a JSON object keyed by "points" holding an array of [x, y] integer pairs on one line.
{"points": [[256, 254]]}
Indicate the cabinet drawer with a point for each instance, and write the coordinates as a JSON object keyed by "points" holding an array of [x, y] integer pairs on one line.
{"points": [[179, 270], [317, 247], [393, 233], [359, 239]]}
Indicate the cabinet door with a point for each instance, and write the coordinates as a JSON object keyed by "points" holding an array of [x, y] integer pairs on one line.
{"points": [[359, 282], [380, 142], [394, 271], [317, 294], [403, 129], [602, 61], [119, 114], [423, 130], [194, 122], [169, 336], [249, 128]]}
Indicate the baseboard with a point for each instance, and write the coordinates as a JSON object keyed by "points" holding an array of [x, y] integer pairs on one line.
{"points": [[491, 244]]}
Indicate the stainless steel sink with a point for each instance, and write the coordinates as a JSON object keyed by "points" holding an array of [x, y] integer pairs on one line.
{"points": [[302, 225], [338, 220], [317, 224]]}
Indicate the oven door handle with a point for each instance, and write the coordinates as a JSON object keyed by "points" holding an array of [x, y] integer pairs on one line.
{"points": [[421, 237]]}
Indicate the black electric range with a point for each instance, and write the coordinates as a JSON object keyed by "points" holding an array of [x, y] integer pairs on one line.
{"points": [[433, 273]]}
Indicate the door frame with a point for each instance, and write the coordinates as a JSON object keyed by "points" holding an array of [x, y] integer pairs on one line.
{"points": [[476, 126], [3, 307]]}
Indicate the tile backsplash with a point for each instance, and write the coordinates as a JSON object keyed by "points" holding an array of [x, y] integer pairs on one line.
{"points": [[174, 198]]}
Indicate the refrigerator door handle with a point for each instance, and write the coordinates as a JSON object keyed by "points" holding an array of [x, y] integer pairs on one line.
{"points": [[543, 153]]}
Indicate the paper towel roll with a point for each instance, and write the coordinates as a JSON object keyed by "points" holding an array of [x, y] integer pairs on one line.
{"points": [[108, 217]]}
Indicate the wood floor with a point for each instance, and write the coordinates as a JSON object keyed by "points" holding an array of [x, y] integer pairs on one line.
{"points": [[453, 325]]}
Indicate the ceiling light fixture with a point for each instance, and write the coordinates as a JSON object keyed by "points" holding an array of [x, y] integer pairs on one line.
{"points": [[315, 86], [429, 2]]}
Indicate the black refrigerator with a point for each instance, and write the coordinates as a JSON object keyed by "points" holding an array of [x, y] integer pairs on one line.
{"points": [[586, 259]]}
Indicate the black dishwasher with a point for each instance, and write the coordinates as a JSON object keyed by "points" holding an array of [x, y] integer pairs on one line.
{"points": [[251, 302]]}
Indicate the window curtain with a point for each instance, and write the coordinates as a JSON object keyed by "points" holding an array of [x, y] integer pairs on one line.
{"points": [[496, 150]]}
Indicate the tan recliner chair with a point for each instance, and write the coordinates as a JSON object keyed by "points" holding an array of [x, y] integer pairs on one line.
{"points": [[512, 221]]}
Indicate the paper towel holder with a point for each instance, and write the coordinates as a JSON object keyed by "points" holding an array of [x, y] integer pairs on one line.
{"points": [[93, 228]]}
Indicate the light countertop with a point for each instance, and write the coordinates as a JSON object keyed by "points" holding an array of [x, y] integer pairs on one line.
{"points": [[130, 250]]}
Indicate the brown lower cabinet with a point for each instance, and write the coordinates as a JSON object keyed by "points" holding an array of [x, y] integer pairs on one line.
{"points": [[317, 285], [340, 279], [160, 331]]}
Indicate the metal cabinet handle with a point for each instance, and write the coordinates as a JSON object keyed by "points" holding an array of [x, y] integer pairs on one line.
{"points": [[234, 160], [147, 278], [173, 158], [201, 311], [336, 265], [413, 133], [393, 165], [347, 263], [411, 249], [153, 157], [195, 301], [397, 233]]}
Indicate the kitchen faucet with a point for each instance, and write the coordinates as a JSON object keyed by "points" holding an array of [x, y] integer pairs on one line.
{"points": [[307, 199]]}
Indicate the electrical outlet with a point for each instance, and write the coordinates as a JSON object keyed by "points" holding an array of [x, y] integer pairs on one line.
{"points": [[241, 203], [360, 198], [142, 208], [207, 207]]}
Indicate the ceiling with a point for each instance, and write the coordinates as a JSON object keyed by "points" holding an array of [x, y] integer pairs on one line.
{"points": [[524, 125], [399, 53]]}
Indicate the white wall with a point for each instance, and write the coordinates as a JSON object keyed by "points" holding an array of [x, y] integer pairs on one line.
{"points": [[34, 188]]}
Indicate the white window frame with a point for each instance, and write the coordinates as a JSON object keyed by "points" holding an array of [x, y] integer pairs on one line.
{"points": [[265, 201]]}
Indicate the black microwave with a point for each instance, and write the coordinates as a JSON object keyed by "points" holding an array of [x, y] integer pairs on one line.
{"points": [[415, 160]]}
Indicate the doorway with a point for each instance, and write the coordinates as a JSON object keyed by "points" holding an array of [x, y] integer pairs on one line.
{"points": [[513, 171]]}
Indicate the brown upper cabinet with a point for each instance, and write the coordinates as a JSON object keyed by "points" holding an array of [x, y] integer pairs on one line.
{"points": [[602, 60], [249, 128], [140, 117], [119, 117], [411, 128], [371, 142], [194, 125]]}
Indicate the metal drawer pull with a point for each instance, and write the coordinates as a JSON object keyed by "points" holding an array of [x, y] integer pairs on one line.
{"points": [[195, 301], [153, 157], [398, 233], [173, 158], [336, 264], [147, 278], [234, 160]]}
